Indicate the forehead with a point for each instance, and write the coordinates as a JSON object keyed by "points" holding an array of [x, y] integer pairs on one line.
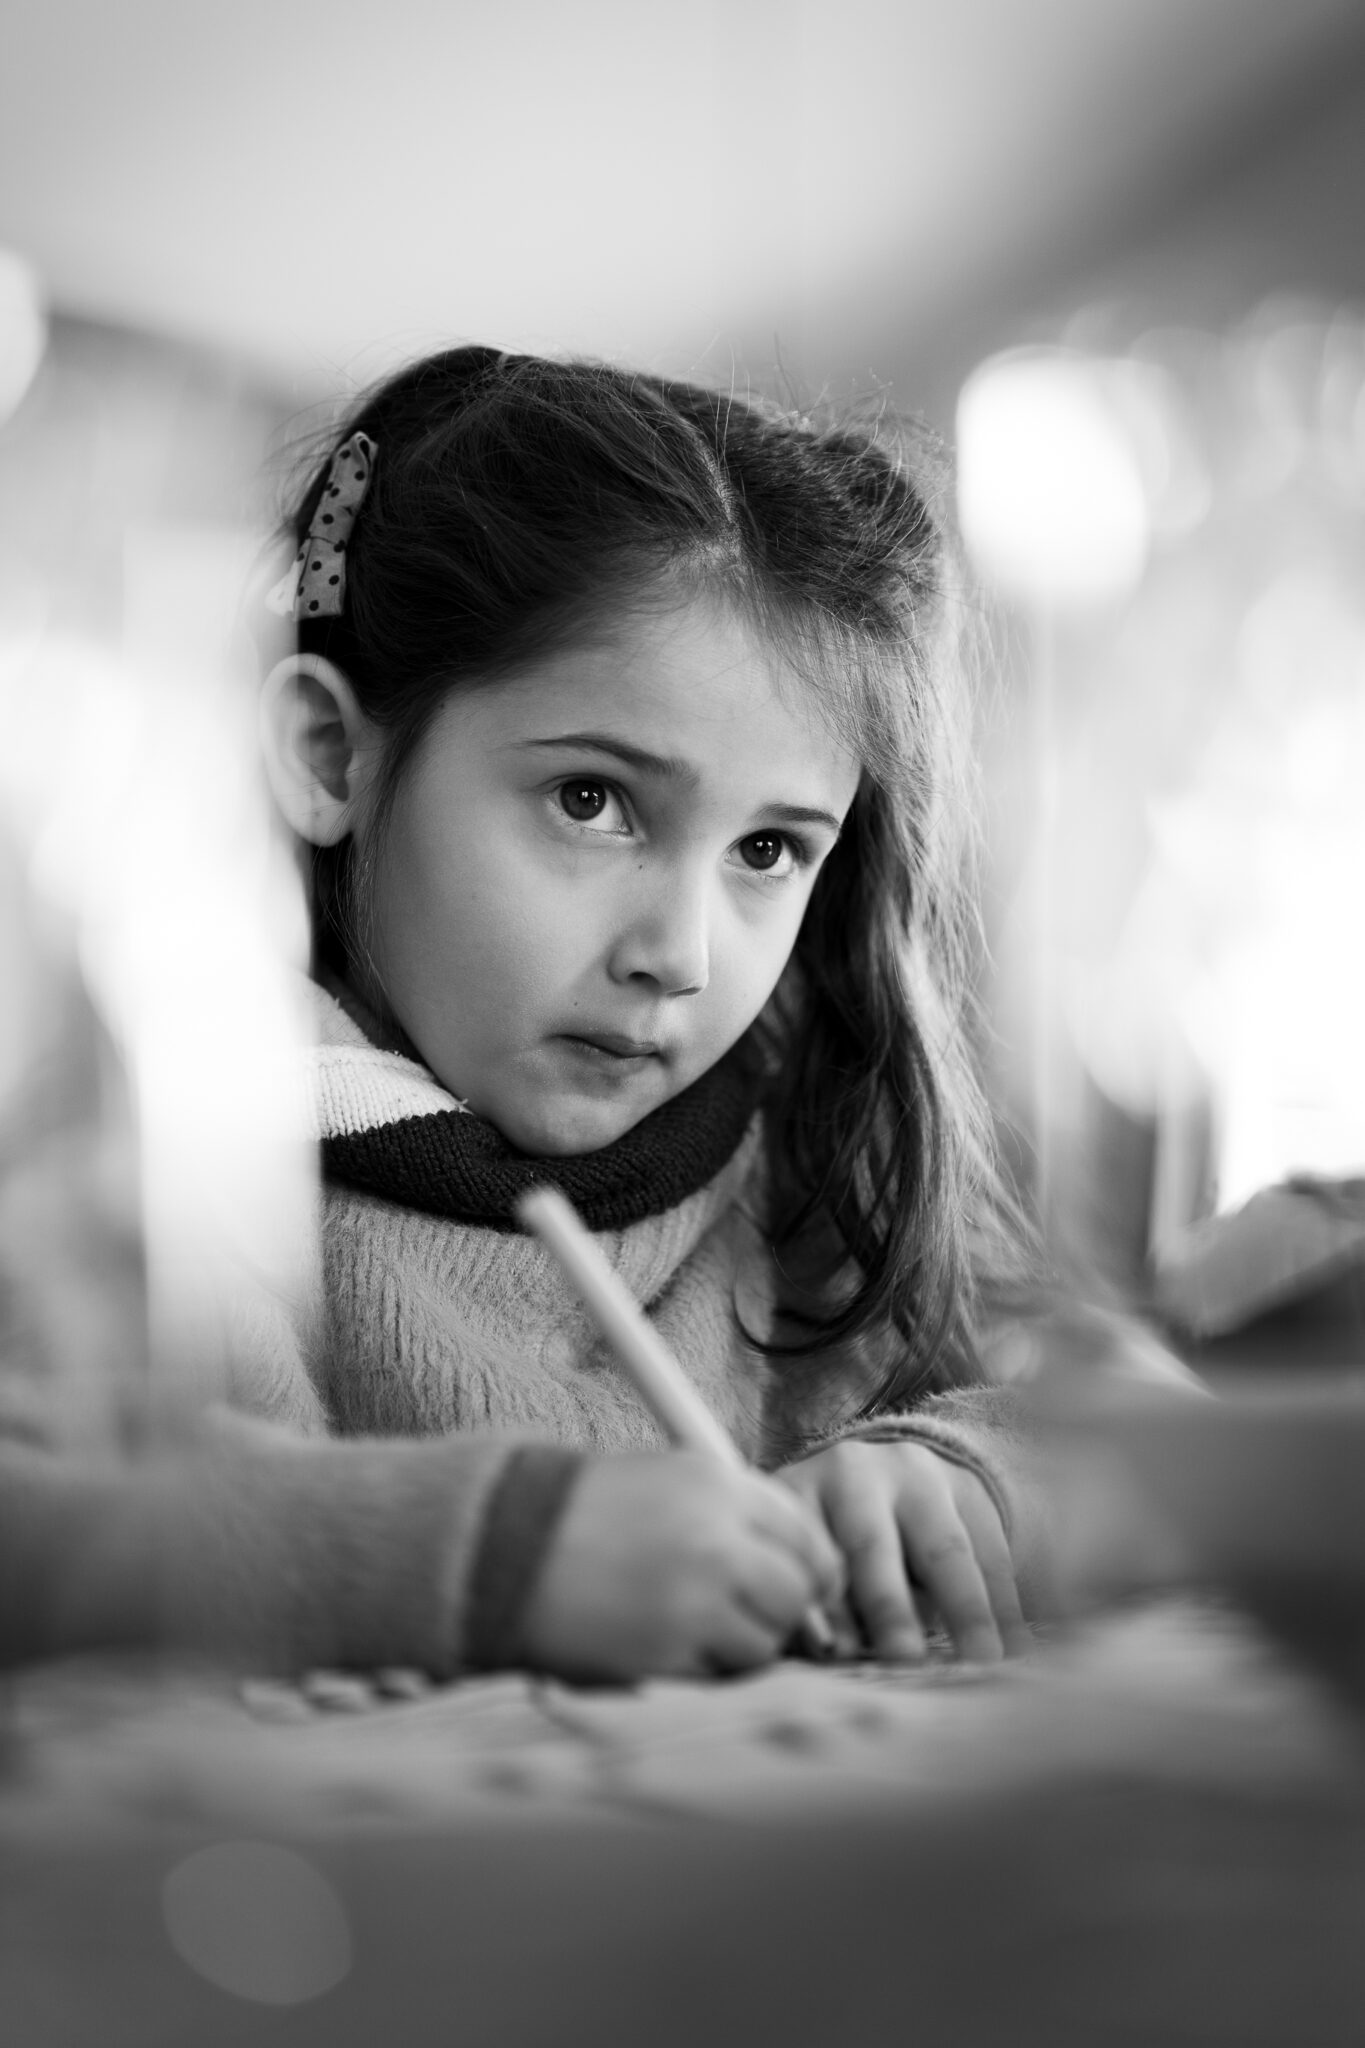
{"points": [[693, 682]]}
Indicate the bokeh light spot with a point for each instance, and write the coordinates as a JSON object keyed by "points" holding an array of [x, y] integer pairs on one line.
{"points": [[257, 1920], [1052, 492]]}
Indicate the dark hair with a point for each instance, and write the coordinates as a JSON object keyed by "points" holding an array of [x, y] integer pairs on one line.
{"points": [[515, 501]]}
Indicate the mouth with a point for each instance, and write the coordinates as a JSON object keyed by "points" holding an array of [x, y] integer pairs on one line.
{"points": [[612, 1045]]}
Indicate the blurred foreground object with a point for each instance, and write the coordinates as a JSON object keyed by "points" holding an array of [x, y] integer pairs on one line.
{"points": [[152, 911], [23, 330], [156, 1184], [1287, 1244], [1257, 1496], [150, 1143], [155, 1204]]}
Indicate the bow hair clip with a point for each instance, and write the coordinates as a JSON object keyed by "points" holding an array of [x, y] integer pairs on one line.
{"points": [[315, 587]]}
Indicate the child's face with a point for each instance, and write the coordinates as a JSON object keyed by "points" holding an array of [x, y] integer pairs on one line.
{"points": [[594, 873]]}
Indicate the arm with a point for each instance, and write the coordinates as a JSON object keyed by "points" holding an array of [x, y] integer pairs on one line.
{"points": [[275, 1553], [242, 1540]]}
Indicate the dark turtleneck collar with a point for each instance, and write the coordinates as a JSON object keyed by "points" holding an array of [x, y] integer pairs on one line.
{"points": [[447, 1161]]}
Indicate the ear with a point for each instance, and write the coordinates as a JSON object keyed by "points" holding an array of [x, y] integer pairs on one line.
{"points": [[320, 749]]}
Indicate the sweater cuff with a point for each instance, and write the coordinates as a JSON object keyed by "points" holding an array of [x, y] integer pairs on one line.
{"points": [[528, 1501], [949, 1444]]}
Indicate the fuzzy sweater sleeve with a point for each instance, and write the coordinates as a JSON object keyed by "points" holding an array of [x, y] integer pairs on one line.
{"points": [[496, 1501], [275, 1552], [986, 1431]]}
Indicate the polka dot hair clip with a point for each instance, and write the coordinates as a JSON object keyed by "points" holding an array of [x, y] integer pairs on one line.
{"points": [[315, 587]]}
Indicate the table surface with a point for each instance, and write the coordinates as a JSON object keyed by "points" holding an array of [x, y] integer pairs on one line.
{"points": [[1153, 1831]]}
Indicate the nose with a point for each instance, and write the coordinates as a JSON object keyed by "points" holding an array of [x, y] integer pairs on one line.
{"points": [[665, 938]]}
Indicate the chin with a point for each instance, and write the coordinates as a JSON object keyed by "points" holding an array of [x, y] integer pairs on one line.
{"points": [[562, 1133]]}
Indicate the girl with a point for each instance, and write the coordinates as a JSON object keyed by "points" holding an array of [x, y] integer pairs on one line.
{"points": [[621, 723]]}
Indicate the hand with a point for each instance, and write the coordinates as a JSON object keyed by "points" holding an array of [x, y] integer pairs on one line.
{"points": [[672, 1563], [920, 1535]]}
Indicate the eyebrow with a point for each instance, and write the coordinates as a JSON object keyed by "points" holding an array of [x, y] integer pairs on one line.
{"points": [[672, 768]]}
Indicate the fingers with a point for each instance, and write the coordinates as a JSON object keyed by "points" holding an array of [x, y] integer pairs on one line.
{"points": [[947, 1566], [997, 1569], [738, 1642], [864, 1525], [775, 1589], [849, 1644], [793, 1527], [921, 1538]]}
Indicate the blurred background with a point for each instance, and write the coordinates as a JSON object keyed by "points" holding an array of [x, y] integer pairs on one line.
{"points": [[1111, 252]]}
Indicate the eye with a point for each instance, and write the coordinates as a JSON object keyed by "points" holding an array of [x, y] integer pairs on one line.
{"points": [[768, 853], [583, 801], [586, 801]]}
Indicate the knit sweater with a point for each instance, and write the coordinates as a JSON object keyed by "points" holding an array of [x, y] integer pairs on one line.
{"points": [[432, 1324], [413, 1431]]}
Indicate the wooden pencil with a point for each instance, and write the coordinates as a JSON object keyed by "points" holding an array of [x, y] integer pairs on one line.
{"points": [[658, 1378]]}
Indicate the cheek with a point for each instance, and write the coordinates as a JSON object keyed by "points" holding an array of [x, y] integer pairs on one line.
{"points": [[757, 952], [476, 908]]}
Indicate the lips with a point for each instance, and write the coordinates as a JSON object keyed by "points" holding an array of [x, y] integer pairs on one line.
{"points": [[615, 1042]]}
